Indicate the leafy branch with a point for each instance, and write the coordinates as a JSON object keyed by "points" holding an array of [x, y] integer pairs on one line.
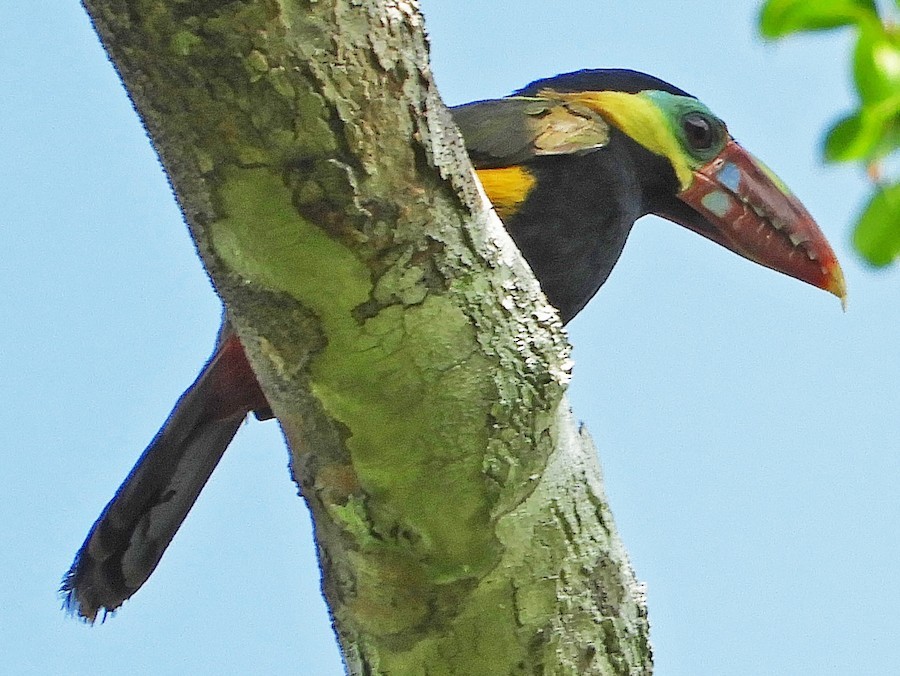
{"points": [[869, 135]]}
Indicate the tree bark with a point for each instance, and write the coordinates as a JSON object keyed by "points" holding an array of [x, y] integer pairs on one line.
{"points": [[415, 367]]}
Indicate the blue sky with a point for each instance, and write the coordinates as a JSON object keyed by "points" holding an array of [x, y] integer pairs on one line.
{"points": [[747, 427]]}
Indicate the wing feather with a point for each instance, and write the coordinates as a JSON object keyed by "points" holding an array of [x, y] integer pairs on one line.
{"points": [[506, 132]]}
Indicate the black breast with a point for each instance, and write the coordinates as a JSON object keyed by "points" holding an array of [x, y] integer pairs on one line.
{"points": [[574, 224]]}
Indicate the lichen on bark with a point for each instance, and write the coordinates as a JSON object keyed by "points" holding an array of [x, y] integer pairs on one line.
{"points": [[406, 349]]}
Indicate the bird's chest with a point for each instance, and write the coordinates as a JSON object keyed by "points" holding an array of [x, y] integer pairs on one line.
{"points": [[573, 226]]}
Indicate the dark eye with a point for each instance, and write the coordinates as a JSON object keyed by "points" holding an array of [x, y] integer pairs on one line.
{"points": [[700, 131]]}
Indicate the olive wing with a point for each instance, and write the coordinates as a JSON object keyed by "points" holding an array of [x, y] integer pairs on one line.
{"points": [[507, 132]]}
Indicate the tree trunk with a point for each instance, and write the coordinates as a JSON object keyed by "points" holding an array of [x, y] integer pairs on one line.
{"points": [[407, 351]]}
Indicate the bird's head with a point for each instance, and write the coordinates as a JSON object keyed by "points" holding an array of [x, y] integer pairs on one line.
{"points": [[720, 190]]}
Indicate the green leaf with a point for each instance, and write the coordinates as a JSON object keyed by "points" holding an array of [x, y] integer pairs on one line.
{"points": [[783, 17], [876, 63], [877, 235], [870, 133], [854, 137]]}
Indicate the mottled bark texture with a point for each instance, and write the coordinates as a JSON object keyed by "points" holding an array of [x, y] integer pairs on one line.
{"points": [[415, 368]]}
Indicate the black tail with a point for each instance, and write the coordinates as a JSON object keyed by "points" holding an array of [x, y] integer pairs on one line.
{"points": [[126, 543]]}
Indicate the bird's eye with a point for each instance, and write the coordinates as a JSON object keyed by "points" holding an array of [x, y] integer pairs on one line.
{"points": [[699, 130]]}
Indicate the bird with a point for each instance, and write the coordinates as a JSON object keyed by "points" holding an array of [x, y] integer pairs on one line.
{"points": [[569, 164]]}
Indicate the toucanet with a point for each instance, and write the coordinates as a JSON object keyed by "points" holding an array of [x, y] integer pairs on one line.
{"points": [[569, 164]]}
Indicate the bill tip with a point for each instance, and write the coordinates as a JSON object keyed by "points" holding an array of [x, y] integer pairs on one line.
{"points": [[837, 285]]}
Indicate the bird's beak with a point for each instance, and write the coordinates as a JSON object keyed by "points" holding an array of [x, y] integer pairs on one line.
{"points": [[746, 208]]}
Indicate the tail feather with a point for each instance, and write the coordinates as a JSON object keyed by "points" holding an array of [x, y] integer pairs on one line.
{"points": [[127, 541]]}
